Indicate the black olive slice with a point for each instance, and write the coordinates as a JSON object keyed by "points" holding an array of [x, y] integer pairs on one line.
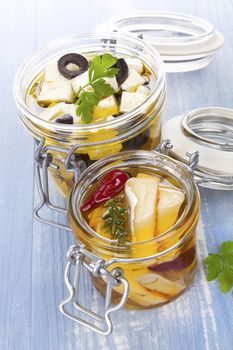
{"points": [[74, 58], [137, 141], [123, 70], [65, 119]]}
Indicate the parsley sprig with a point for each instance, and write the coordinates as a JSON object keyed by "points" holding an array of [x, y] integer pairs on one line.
{"points": [[115, 219], [100, 68], [220, 266]]}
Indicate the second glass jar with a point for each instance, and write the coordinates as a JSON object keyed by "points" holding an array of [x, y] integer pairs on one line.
{"points": [[160, 269]]}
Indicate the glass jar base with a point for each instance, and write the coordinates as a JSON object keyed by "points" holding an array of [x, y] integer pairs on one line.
{"points": [[131, 304]]}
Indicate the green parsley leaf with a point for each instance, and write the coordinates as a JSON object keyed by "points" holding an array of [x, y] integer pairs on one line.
{"points": [[214, 264], [226, 280], [101, 88], [227, 248], [101, 67], [220, 266], [86, 103]]}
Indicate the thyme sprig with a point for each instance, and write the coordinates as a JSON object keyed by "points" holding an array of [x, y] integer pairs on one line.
{"points": [[115, 219]]}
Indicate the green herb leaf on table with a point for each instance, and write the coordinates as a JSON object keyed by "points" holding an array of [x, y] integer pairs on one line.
{"points": [[100, 68], [220, 266]]}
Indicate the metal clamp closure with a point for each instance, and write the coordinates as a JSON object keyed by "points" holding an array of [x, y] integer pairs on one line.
{"points": [[44, 161], [193, 161], [78, 258], [165, 147]]}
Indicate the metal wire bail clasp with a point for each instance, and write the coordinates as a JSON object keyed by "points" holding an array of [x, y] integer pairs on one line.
{"points": [[193, 161], [164, 147], [79, 258], [44, 161]]}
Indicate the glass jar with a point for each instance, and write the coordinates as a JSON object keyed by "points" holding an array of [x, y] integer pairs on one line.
{"points": [[158, 270], [139, 129]]}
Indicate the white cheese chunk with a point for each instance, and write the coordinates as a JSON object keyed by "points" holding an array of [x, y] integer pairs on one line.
{"points": [[51, 113], [79, 81], [143, 207], [107, 102], [51, 72], [132, 202], [133, 80], [143, 90], [170, 201], [146, 78], [131, 100], [55, 92], [134, 63], [106, 107], [112, 82], [82, 80]]}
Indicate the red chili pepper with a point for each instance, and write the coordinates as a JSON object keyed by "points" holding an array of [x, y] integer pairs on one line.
{"points": [[109, 186]]}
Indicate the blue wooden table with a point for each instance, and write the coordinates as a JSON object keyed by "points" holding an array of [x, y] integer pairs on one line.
{"points": [[32, 256]]}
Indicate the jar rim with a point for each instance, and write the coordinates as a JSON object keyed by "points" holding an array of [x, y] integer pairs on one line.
{"points": [[206, 28], [110, 124], [208, 131], [185, 42], [76, 217]]}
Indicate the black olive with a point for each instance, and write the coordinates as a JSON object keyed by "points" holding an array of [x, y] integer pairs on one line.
{"points": [[137, 141], [65, 119], [74, 58], [123, 70]]}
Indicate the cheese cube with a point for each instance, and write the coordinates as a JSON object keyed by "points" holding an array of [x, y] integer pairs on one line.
{"points": [[79, 81], [170, 201], [106, 107], [55, 92], [83, 79], [143, 90], [133, 80], [51, 113], [51, 73], [112, 82], [131, 100], [134, 63]]}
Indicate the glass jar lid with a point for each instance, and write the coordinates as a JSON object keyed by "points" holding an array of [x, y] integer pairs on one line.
{"points": [[208, 131], [185, 42]]}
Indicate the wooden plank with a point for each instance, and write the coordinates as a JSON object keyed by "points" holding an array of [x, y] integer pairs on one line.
{"points": [[16, 185]]}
